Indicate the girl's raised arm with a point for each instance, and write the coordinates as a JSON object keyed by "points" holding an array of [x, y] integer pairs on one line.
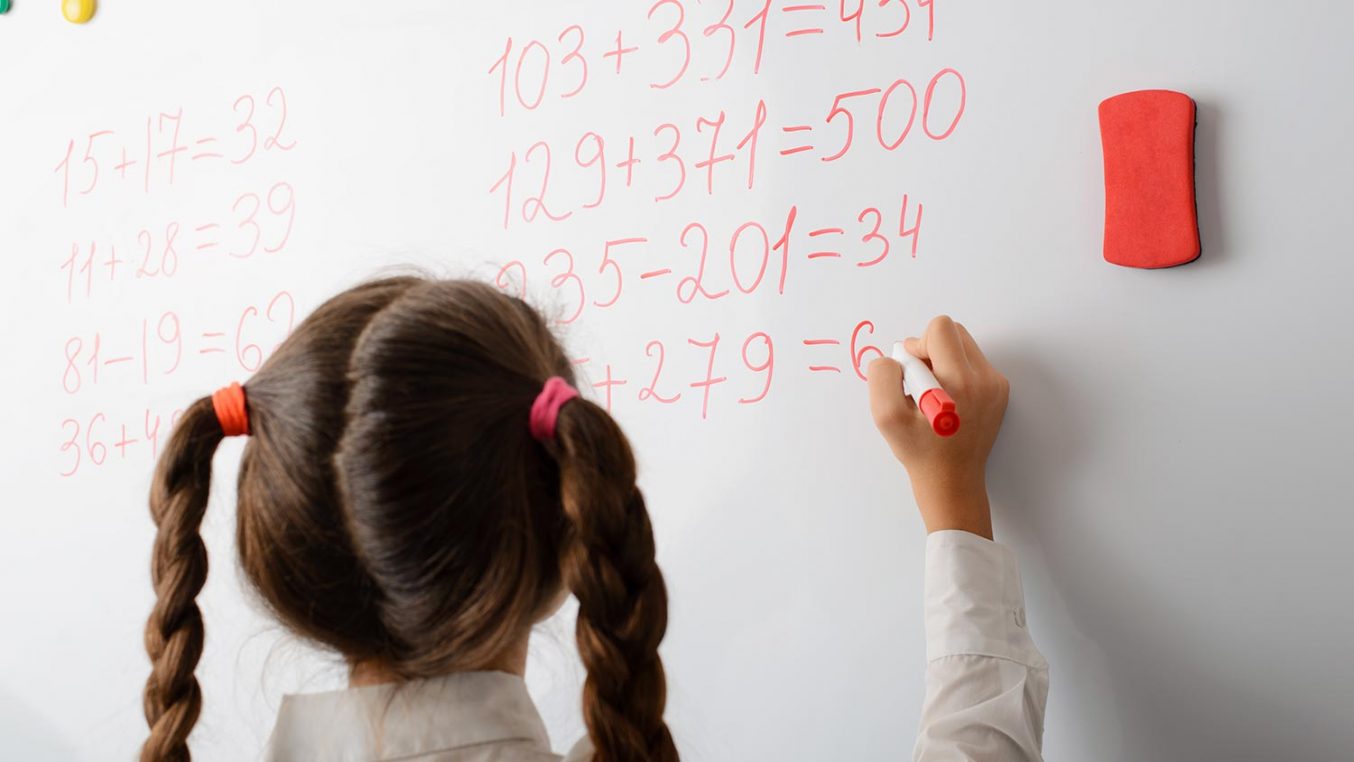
{"points": [[986, 683]]}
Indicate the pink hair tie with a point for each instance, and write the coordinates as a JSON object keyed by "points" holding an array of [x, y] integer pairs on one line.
{"points": [[545, 410], [231, 412]]}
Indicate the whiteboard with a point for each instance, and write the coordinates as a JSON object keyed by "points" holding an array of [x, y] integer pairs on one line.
{"points": [[1173, 473]]}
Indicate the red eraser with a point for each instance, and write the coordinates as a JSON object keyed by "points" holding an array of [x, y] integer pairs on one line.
{"points": [[1150, 215]]}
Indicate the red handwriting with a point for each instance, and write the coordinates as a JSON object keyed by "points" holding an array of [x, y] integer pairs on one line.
{"points": [[253, 223], [531, 73], [705, 145], [651, 391], [900, 9], [165, 155], [673, 35], [747, 369], [706, 136], [157, 346], [759, 258], [85, 440], [894, 110], [166, 144], [684, 41], [708, 260]]}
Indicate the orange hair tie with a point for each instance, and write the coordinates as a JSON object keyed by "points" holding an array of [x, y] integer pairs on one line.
{"points": [[231, 412]]}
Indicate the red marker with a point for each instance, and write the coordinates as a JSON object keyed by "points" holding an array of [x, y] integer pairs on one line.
{"points": [[920, 384]]}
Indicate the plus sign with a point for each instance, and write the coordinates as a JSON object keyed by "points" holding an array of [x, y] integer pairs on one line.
{"points": [[608, 383], [629, 164], [122, 168], [619, 52]]}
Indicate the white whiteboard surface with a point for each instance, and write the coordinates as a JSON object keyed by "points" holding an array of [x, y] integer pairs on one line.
{"points": [[1173, 474]]}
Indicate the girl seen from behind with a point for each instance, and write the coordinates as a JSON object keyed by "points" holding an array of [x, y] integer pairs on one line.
{"points": [[395, 505], [422, 484]]}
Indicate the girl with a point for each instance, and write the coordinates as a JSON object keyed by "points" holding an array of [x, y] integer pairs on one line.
{"points": [[422, 485]]}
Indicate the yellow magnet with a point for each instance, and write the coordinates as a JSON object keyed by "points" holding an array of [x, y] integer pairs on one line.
{"points": [[77, 11]]}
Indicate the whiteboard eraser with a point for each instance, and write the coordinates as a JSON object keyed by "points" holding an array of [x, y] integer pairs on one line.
{"points": [[1151, 220]]}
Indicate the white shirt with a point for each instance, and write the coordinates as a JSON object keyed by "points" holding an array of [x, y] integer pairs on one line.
{"points": [[986, 685], [461, 717]]}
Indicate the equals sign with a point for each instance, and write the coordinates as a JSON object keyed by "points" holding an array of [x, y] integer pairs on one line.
{"points": [[820, 343], [206, 153], [212, 350], [811, 7], [826, 253], [796, 149], [203, 229]]}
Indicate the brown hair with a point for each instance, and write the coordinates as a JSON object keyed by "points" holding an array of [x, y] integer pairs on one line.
{"points": [[393, 506]]}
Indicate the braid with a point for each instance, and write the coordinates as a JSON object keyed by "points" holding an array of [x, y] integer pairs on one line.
{"points": [[608, 564], [174, 633]]}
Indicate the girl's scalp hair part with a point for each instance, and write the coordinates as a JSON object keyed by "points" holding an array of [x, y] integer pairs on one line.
{"points": [[394, 508]]}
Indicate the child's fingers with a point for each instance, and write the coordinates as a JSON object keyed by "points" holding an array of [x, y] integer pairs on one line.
{"points": [[891, 409], [914, 347], [943, 346]]}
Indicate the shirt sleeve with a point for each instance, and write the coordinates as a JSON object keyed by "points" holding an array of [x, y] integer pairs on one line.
{"points": [[986, 683]]}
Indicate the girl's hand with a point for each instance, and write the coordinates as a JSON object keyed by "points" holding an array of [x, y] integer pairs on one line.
{"points": [[948, 473]]}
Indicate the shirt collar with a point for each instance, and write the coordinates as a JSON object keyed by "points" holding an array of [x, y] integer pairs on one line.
{"points": [[390, 721]]}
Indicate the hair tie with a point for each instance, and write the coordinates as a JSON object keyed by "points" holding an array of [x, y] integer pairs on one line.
{"points": [[229, 403], [545, 410]]}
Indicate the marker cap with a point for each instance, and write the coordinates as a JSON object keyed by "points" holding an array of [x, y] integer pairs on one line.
{"points": [[938, 407]]}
